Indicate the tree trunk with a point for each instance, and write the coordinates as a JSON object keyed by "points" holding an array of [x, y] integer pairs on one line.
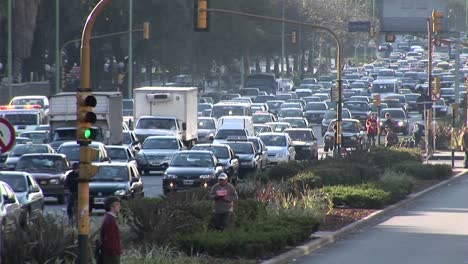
{"points": [[288, 70], [295, 62], [258, 69], [268, 65], [276, 68]]}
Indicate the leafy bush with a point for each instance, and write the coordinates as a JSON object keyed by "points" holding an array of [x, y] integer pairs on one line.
{"points": [[346, 173], [283, 171], [305, 180], [424, 171], [398, 184], [47, 240], [385, 157], [255, 240], [358, 196]]}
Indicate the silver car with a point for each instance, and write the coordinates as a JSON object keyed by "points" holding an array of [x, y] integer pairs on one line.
{"points": [[279, 147], [156, 151], [207, 127]]}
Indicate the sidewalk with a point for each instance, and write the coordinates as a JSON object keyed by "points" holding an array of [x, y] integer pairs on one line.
{"points": [[324, 238]]}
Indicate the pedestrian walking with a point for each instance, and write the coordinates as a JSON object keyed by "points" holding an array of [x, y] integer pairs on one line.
{"points": [[465, 146], [417, 134], [71, 184], [224, 194], [391, 138], [111, 247], [371, 129], [389, 123]]}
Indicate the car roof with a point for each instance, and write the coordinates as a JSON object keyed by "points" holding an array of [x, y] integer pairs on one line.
{"points": [[212, 145], [15, 173], [272, 134], [45, 154], [73, 143], [298, 129]]}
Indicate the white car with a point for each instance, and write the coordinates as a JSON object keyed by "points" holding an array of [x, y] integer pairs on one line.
{"points": [[279, 147]]}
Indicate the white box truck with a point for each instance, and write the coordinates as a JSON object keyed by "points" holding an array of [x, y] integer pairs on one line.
{"points": [[166, 111], [108, 110]]}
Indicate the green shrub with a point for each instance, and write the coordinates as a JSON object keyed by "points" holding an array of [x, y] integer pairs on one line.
{"points": [[398, 184], [262, 237], [345, 173], [283, 171], [247, 211], [385, 157], [358, 196], [305, 180], [424, 171]]}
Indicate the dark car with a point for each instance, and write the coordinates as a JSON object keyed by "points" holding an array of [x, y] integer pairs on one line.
{"points": [[27, 191], [11, 214], [225, 156], [304, 142], [250, 160], [49, 170], [120, 154], [19, 150], [156, 151], [261, 150], [352, 136], [359, 110], [314, 111], [37, 137], [399, 117], [412, 101], [115, 179], [191, 169], [72, 151]]}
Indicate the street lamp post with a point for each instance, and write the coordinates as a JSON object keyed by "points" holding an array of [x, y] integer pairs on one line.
{"points": [[10, 50], [57, 46], [130, 49]]}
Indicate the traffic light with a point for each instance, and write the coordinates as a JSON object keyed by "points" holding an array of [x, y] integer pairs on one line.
{"points": [[293, 37], [437, 20], [146, 30], [377, 99], [201, 17], [86, 170], [436, 84], [85, 117]]}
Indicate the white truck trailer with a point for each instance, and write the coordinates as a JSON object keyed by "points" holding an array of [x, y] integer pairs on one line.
{"points": [[166, 111]]}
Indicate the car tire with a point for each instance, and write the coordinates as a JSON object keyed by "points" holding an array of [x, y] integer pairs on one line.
{"points": [[61, 199]]}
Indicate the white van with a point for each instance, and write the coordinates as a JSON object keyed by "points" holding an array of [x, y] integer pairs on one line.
{"points": [[244, 122], [231, 109]]}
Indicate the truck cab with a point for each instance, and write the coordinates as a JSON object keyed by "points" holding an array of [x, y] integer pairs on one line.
{"points": [[23, 119], [159, 126]]}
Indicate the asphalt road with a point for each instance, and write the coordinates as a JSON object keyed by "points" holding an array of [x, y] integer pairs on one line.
{"points": [[153, 182], [431, 230]]}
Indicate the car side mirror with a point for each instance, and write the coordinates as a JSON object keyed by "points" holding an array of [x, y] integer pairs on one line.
{"points": [[237, 157], [211, 138], [8, 199], [106, 159], [34, 189], [165, 164], [137, 148], [219, 164], [134, 179]]}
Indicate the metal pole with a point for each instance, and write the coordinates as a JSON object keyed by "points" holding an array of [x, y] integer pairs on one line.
{"points": [[10, 50], [83, 185], [58, 69], [429, 81], [453, 134], [282, 37], [130, 49], [457, 73]]}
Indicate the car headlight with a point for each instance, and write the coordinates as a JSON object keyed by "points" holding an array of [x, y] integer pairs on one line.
{"points": [[307, 147], [381, 123], [328, 138], [168, 157], [170, 176], [283, 154], [120, 192], [353, 138], [401, 123], [54, 181], [207, 176]]}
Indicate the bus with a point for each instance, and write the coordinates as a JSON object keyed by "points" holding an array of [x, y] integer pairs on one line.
{"points": [[385, 87], [265, 82]]}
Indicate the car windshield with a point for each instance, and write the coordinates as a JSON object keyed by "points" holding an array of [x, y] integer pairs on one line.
{"points": [[127, 139], [150, 123], [22, 119], [20, 150], [111, 173], [72, 152], [296, 122], [117, 153], [251, 92], [160, 143], [274, 140], [17, 183], [401, 99], [29, 101], [261, 118], [225, 133], [219, 152], [447, 91], [227, 110], [206, 124], [202, 107], [356, 106], [316, 106], [383, 88], [36, 137], [346, 126], [393, 113], [300, 135], [332, 114], [259, 129], [241, 148], [42, 164], [274, 104], [291, 113], [412, 97], [188, 159], [279, 127]]}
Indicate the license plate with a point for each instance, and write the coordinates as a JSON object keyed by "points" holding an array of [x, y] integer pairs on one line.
{"points": [[155, 163], [188, 182], [99, 200], [43, 182]]}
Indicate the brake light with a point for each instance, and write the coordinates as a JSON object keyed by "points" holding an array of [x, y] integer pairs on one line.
{"points": [[35, 106], [7, 107]]}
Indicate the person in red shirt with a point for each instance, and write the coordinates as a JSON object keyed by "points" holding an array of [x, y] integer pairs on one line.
{"points": [[371, 129], [111, 247]]}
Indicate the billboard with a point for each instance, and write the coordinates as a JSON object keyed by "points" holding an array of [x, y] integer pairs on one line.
{"points": [[410, 15]]}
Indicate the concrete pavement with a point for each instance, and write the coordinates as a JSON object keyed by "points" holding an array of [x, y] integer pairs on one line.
{"points": [[426, 227]]}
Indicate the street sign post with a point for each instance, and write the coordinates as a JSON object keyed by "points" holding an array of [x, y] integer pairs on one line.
{"points": [[7, 135]]}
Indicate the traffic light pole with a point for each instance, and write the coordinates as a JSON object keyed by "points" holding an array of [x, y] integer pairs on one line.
{"points": [[202, 13], [83, 185], [429, 84]]}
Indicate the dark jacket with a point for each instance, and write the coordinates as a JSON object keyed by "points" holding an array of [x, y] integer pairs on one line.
{"points": [[224, 203], [71, 183], [110, 236]]}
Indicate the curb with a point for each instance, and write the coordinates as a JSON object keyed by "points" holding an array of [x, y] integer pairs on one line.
{"points": [[310, 247]]}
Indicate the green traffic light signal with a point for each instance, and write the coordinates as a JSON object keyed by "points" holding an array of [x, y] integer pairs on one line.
{"points": [[87, 133]]}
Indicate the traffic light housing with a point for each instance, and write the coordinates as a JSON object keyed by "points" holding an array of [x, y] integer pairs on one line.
{"points": [[437, 17], [201, 15], [86, 170], [85, 117], [390, 38], [146, 30], [294, 37]]}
